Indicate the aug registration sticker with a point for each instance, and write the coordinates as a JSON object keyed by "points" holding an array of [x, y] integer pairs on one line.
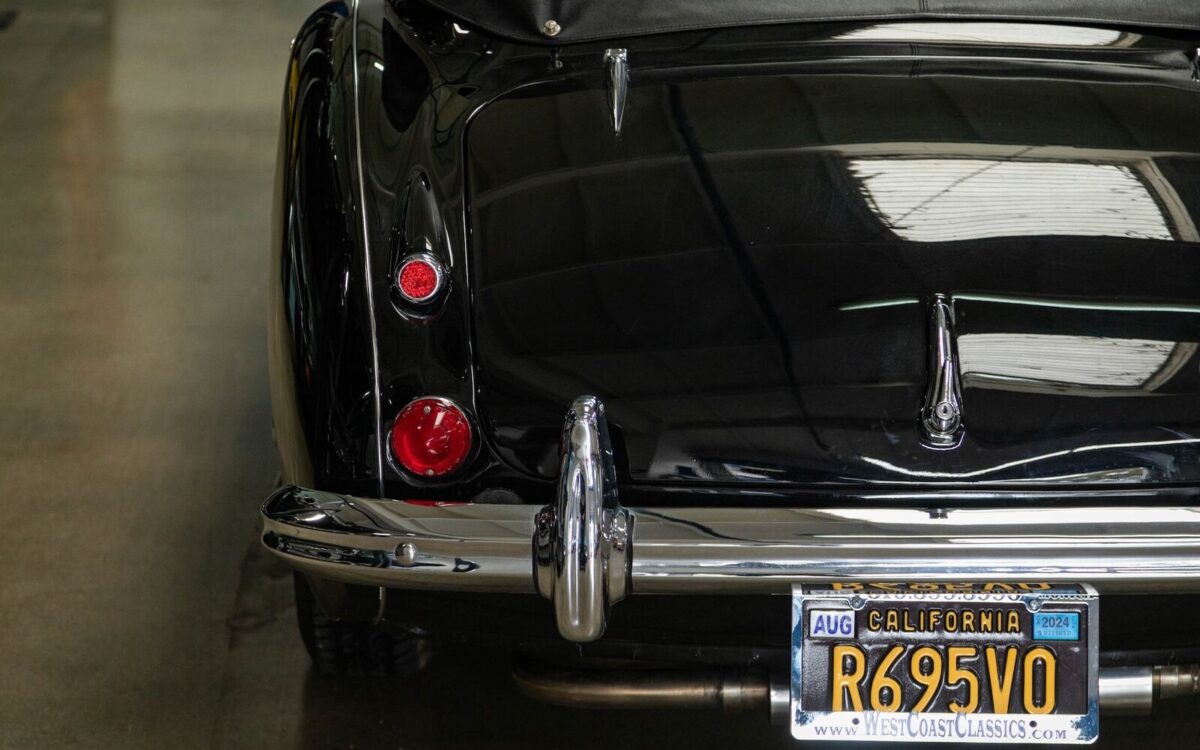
{"points": [[946, 662]]}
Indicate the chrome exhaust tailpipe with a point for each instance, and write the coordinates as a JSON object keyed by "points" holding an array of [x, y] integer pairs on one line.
{"points": [[1176, 681], [730, 691], [1124, 691], [1133, 691]]}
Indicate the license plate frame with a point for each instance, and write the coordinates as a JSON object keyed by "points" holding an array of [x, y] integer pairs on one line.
{"points": [[1060, 611]]}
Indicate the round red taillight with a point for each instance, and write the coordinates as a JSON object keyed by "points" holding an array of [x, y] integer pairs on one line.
{"points": [[419, 278], [431, 437]]}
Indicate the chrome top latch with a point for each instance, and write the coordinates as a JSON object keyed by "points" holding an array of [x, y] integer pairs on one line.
{"points": [[941, 416], [617, 61], [581, 543]]}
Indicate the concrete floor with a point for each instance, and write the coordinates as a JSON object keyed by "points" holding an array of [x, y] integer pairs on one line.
{"points": [[137, 140]]}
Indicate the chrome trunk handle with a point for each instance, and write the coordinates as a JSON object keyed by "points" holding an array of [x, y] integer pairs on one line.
{"points": [[941, 416], [581, 560]]}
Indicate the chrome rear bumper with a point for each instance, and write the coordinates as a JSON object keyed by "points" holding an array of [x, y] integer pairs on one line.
{"points": [[587, 552]]}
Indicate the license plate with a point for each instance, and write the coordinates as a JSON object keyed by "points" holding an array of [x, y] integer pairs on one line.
{"points": [[945, 662]]}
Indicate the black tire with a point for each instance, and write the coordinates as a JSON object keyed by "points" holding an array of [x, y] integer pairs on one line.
{"points": [[354, 648]]}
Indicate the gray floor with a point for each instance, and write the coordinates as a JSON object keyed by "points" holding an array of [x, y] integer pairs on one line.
{"points": [[137, 144]]}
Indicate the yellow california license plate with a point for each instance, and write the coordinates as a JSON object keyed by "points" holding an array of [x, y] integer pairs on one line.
{"points": [[945, 662]]}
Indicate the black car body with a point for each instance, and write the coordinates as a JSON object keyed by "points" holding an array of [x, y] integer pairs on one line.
{"points": [[908, 296]]}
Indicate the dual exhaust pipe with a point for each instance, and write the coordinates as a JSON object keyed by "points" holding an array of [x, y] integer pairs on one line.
{"points": [[1125, 691]]}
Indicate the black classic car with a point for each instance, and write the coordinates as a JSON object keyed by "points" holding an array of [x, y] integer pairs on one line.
{"points": [[837, 361]]}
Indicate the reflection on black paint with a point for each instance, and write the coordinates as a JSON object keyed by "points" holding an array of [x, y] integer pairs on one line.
{"points": [[745, 286]]}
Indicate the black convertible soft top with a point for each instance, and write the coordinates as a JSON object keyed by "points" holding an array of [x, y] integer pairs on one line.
{"points": [[561, 21]]}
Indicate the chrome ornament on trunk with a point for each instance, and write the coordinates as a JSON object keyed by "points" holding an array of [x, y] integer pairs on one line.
{"points": [[617, 61], [941, 416]]}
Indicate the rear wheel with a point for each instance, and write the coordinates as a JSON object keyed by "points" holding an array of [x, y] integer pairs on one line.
{"points": [[354, 648]]}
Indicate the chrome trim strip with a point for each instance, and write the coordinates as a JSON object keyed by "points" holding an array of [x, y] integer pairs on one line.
{"points": [[742, 550], [366, 248]]}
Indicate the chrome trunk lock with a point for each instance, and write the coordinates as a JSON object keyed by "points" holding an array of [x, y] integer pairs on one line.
{"points": [[581, 543]]}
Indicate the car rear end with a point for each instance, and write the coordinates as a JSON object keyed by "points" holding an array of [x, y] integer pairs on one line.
{"points": [[728, 368]]}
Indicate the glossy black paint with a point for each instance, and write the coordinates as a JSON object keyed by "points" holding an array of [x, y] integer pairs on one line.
{"points": [[320, 349], [710, 274], [738, 274]]}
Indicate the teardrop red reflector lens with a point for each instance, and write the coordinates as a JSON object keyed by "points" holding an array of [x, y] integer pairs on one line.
{"points": [[419, 279], [431, 437]]}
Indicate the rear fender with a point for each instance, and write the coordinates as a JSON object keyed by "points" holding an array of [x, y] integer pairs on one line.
{"points": [[321, 374]]}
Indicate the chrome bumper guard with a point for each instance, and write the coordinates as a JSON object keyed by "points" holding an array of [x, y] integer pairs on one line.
{"points": [[587, 552]]}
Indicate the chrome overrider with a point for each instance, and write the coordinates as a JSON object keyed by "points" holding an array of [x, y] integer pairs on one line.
{"points": [[586, 552], [581, 548]]}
